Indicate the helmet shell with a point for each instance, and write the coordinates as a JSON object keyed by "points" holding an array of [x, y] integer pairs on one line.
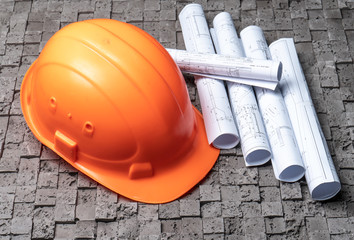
{"points": [[108, 98]]}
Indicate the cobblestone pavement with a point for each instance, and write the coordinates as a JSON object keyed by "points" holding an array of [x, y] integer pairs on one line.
{"points": [[42, 197]]}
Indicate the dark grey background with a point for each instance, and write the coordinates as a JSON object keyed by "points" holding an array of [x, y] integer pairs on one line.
{"points": [[41, 197]]}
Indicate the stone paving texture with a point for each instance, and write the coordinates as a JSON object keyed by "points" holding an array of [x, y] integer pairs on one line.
{"points": [[43, 197]]}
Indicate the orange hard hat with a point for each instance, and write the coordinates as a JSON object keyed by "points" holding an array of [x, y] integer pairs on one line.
{"points": [[109, 99]]}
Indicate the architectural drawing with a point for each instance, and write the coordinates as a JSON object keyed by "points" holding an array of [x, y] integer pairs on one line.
{"points": [[262, 73], [219, 122], [286, 158], [320, 172], [254, 141]]}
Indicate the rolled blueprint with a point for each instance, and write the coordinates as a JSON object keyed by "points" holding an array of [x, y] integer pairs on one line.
{"points": [[262, 73], [254, 142], [219, 123], [286, 158], [320, 172]]}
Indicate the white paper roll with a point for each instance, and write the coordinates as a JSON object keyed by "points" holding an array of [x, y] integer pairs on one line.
{"points": [[321, 175], [219, 123], [254, 142], [286, 158]]}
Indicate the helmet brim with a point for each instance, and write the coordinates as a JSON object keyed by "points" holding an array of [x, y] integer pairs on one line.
{"points": [[163, 186]]}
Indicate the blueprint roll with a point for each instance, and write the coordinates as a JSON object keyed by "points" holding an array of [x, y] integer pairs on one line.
{"points": [[320, 174], [254, 142], [286, 158], [262, 73], [219, 123]]}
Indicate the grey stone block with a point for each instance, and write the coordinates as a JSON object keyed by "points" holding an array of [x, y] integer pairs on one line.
{"points": [[25, 193], [229, 193], [4, 108], [12, 58], [127, 209], [209, 193], [30, 147], [85, 16], [85, 208], [192, 228], [65, 231], [248, 5], [151, 15], [107, 230], [323, 235], [49, 166], [23, 210], [7, 89], [317, 24], [66, 196], [21, 225], [128, 228], [231, 209], [168, 15], [21, 237], [313, 4], [248, 193], [5, 226], [211, 209], [272, 209], [102, 5], [3, 127], [69, 14], [152, 5], [266, 177], [16, 105], [251, 209], [31, 49], [106, 211], [8, 182], [85, 182], [169, 210], [254, 225], [6, 205], [275, 225], [105, 195], [85, 230], [341, 51], [282, 19], [270, 194], [28, 171], [298, 10], [336, 209], [219, 236], [295, 209], [47, 180], [149, 228], [290, 191], [213, 225], [45, 197], [167, 33], [148, 212], [67, 180], [316, 224], [189, 208], [233, 226], [332, 13], [134, 11], [340, 225], [64, 213], [43, 223], [171, 228], [48, 154]]}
